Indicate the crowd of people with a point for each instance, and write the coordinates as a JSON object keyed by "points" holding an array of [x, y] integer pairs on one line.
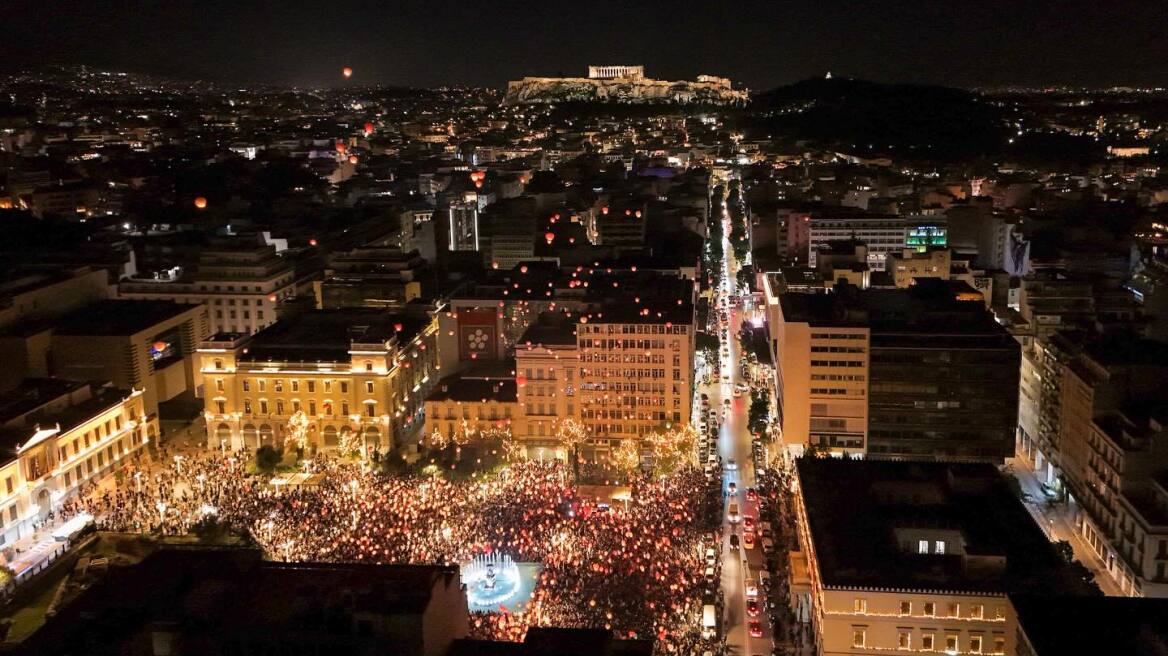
{"points": [[634, 568]]}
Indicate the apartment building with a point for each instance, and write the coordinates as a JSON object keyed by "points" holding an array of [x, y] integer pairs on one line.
{"points": [[882, 234], [916, 557], [357, 374], [922, 372], [481, 399], [58, 435], [241, 282]]}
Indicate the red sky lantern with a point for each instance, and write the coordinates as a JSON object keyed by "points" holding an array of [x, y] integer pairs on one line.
{"points": [[549, 237], [368, 129], [201, 203], [312, 242], [347, 71], [159, 346], [523, 269], [271, 298], [341, 147], [604, 210], [397, 327], [352, 159]]}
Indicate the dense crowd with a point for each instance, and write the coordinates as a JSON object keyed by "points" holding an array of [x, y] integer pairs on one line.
{"points": [[633, 568]]}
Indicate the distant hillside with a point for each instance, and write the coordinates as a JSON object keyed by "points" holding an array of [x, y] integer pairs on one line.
{"points": [[867, 117]]}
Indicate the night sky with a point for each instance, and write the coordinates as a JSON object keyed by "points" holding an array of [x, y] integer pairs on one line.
{"points": [[761, 44]]}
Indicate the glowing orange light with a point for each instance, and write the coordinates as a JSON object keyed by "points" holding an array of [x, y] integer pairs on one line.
{"points": [[347, 71], [201, 203]]}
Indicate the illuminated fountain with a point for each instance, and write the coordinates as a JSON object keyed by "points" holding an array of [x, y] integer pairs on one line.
{"points": [[490, 580]]}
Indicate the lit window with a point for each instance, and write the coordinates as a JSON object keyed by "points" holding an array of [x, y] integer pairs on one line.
{"points": [[951, 642], [930, 609], [860, 605], [906, 608], [904, 639], [859, 637], [922, 546], [926, 642], [977, 611], [939, 547], [999, 643], [954, 610], [975, 644]]}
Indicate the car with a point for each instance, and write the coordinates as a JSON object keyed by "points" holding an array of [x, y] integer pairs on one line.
{"points": [[751, 494], [732, 514], [732, 488], [732, 464], [711, 556], [748, 540], [733, 541], [710, 575], [752, 608], [742, 388], [755, 629], [747, 521], [726, 402]]}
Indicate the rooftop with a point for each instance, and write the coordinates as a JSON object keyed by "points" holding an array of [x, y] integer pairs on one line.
{"points": [[1117, 625], [856, 507], [119, 317], [327, 335]]}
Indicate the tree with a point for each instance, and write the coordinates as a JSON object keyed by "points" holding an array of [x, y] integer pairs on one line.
{"points": [[626, 458], [671, 448], [1065, 551], [759, 413], [298, 430], [572, 434], [268, 457]]}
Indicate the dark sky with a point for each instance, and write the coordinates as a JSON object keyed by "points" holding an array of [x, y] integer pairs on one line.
{"points": [[761, 43]]}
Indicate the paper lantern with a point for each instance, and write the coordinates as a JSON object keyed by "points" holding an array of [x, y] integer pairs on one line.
{"points": [[201, 203], [347, 71]]}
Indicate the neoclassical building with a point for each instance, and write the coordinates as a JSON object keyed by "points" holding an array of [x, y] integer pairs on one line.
{"points": [[358, 375], [58, 435]]}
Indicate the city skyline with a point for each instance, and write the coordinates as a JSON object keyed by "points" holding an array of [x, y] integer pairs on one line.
{"points": [[761, 46]]}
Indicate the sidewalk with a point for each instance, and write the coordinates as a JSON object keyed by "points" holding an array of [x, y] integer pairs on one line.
{"points": [[1056, 522]]}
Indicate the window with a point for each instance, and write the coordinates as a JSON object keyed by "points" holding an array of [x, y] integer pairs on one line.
{"points": [[999, 612], [312, 386], [8, 484], [295, 405], [999, 643], [977, 611], [246, 385], [368, 366], [930, 609], [371, 409], [951, 642], [922, 546], [954, 609], [279, 384], [312, 408], [939, 547], [344, 387], [221, 407], [328, 386], [295, 385], [906, 608], [246, 407], [860, 605], [219, 364], [926, 642], [859, 636], [279, 406], [368, 387], [975, 644], [904, 638], [263, 406], [219, 384], [263, 384], [345, 408]]}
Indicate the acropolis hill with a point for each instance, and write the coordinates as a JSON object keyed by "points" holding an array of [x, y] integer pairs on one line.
{"points": [[623, 84]]}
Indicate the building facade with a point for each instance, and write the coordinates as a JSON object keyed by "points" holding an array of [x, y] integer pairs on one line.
{"points": [[359, 376], [72, 434]]}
